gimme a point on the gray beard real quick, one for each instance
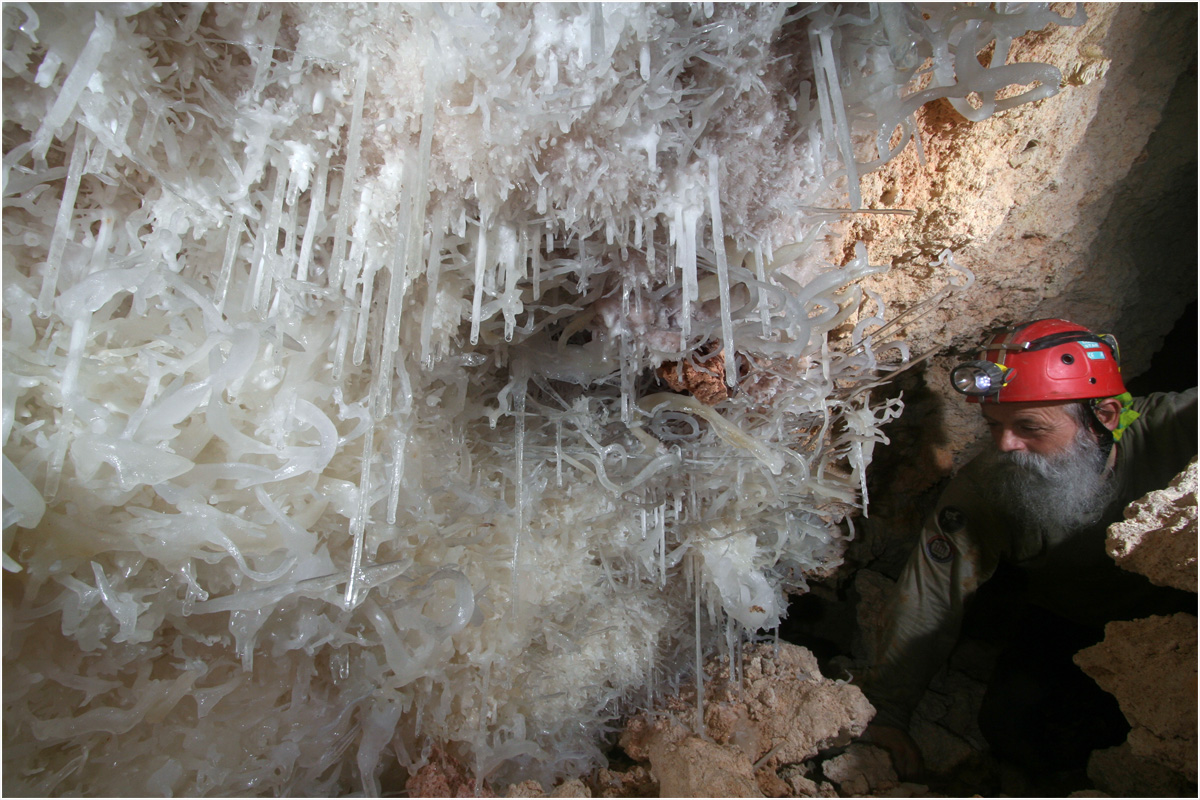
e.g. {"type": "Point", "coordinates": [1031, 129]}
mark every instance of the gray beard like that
{"type": "Point", "coordinates": [1059, 494]}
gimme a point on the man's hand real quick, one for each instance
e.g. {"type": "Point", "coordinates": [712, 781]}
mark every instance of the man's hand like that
{"type": "Point", "coordinates": [906, 756]}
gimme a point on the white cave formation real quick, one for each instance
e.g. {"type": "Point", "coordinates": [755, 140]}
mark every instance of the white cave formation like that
{"type": "Point", "coordinates": [332, 429]}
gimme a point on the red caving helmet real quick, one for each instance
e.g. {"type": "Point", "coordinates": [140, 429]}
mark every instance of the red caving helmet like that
{"type": "Point", "coordinates": [1040, 361]}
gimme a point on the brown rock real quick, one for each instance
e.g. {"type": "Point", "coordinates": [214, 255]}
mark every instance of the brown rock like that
{"type": "Point", "coordinates": [1158, 537]}
{"type": "Point", "coordinates": [694, 767]}
{"type": "Point", "coordinates": [861, 770]}
{"type": "Point", "coordinates": [801, 785]}
{"type": "Point", "coordinates": [643, 730]}
{"type": "Point", "coordinates": [572, 787]}
{"type": "Point", "coordinates": [1149, 665]}
{"type": "Point", "coordinates": [1119, 772]}
{"type": "Point", "coordinates": [528, 788]}
{"type": "Point", "coordinates": [636, 782]}
{"type": "Point", "coordinates": [783, 708]}
{"type": "Point", "coordinates": [730, 722]}
{"type": "Point", "coordinates": [771, 785]}
{"type": "Point", "coordinates": [444, 776]}
{"type": "Point", "coordinates": [798, 713]}
{"type": "Point", "coordinates": [706, 382]}
{"type": "Point", "coordinates": [782, 711]}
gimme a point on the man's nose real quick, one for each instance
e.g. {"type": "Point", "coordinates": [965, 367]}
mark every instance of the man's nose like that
{"type": "Point", "coordinates": [1008, 442]}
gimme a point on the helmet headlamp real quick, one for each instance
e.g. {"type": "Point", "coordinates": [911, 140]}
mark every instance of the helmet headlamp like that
{"type": "Point", "coordinates": [979, 378]}
{"type": "Point", "coordinates": [1056, 360]}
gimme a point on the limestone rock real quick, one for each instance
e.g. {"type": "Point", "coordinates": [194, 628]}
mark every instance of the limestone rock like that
{"type": "Point", "coordinates": [572, 787]}
{"type": "Point", "coordinates": [530, 788]}
{"type": "Point", "coordinates": [942, 749]}
{"type": "Point", "coordinates": [804, 713]}
{"type": "Point", "coordinates": [704, 380]}
{"type": "Point", "coordinates": [445, 776]}
{"type": "Point", "coordinates": [1122, 774]}
{"type": "Point", "coordinates": [797, 778]}
{"type": "Point", "coordinates": [635, 782]}
{"type": "Point", "coordinates": [1149, 665]}
{"type": "Point", "coordinates": [784, 708]}
{"type": "Point", "coordinates": [694, 767]}
{"type": "Point", "coordinates": [781, 712]}
{"type": "Point", "coordinates": [1158, 536]}
{"type": "Point", "coordinates": [861, 770]}
{"type": "Point", "coordinates": [771, 784]}
{"type": "Point", "coordinates": [797, 713]}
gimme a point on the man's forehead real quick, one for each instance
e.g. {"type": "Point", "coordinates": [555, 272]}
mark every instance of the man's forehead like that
{"type": "Point", "coordinates": [1015, 412]}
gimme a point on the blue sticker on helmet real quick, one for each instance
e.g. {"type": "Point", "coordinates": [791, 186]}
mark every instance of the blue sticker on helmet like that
{"type": "Point", "coordinates": [1090, 345]}
{"type": "Point", "coordinates": [1095, 355]}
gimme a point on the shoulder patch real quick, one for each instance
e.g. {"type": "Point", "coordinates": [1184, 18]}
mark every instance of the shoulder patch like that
{"type": "Point", "coordinates": [939, 549]}
{"type": "Point", "coordinates": [951, 520]}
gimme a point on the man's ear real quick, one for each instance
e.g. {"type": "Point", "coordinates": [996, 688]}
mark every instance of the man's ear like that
{"type": "Point", "coordinates": [1108, 411]}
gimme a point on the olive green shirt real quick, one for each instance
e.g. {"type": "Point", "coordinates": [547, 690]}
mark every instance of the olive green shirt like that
{"type": "Point", "coordinates": [970, 532]}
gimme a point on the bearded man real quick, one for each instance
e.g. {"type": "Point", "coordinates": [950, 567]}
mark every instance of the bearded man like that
{"type": "Point", "coordinates": [1029, 518]}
